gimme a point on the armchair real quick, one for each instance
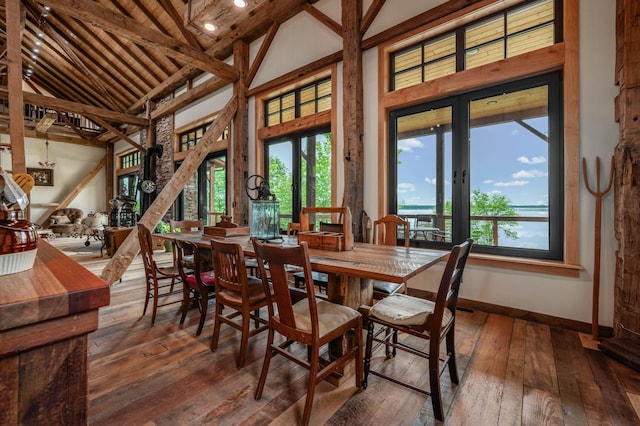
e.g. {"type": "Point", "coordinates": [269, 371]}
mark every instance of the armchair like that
{"type": "Point", "coordinates": [66, 221]}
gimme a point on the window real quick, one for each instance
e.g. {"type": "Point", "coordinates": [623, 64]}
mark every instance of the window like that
{"type": "Point", "coordinates": [486, 164]}
{"type": "Point", "coordinates": [131, 159]}
{"type": "Point", "coordinates": [299, 172]}
{"type": "Point", "coordinates": [204, 196]}
{"type": "Point", "coordinates": [128, 165]}
{"type": "Point", "coordinates": [190, 138]}
{"type": "Point", "coordinates": [302, 102]}
{"type": "Point", "coordinates": [514, 31]}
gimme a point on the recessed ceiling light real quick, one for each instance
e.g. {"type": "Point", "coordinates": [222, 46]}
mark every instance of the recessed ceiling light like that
{"type": "Point", "coordinates": [38, 42]}
{"type": "Point", "coordinates": [240, 3]}
{"type": "Point", "coordinates": [47, 8]}
{"type": "Point", "coordinates": [209, 26]}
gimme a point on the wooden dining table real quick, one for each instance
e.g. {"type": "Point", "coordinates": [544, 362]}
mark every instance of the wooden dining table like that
{"type": "Point", "coordinates": [350, 271]}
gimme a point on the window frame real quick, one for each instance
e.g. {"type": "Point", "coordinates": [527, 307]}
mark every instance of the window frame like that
{"type": "Point", "coordinates": [461, 190]}
{"type": "Point", "coordinates": [560, 56]}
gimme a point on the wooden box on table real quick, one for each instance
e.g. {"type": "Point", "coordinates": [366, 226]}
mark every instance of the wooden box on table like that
{"type": "Point", "coordinates": [323, 240]}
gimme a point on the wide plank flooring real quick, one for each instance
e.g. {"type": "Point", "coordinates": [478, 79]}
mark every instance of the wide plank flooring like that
{"type": "Point", "coordinates": [513, 372]}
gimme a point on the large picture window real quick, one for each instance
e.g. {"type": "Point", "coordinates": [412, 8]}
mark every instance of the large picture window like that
{"type": "Point", "coordinates": [485, 164]}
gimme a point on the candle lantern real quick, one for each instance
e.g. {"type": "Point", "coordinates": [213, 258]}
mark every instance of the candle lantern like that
{"type": "Point", "coordinates": [265, 210]}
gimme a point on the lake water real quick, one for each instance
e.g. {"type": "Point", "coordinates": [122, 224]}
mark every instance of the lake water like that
{"type": "Point", "coordinates": [531, 235]}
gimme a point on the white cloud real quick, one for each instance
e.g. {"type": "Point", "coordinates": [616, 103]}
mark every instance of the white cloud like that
{"type": "Point", "coordinates": [406, 187]}
{"type": "Point", "coordinates": [488, 181]}
{"type": "Point", "coordinates": [528, 174]}
{"type": "Point", "coordinates": [407, 145]}
{"type": "Point", "coordinates": [512, 183]}
{"type": "Point", "coordinates": [532, 160]}
{"type": "Point", "coordinates": [430, 181]}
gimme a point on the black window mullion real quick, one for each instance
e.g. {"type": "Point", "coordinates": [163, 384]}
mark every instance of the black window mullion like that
{"type": "Point", "coordinates": [460, 202]}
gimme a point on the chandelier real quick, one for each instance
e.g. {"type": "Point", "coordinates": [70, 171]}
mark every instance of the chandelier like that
{"type": "Point", "coordinates": [46, 164]}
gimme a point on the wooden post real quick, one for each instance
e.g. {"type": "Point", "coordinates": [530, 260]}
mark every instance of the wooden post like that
{"type": "Point", "coordinates": [15, 25]}
{"type": "Point", "coordinates": [627, 158]}
{"type": "Point", "coordinates": [353, 113]}
{"type": "Point", "coordinates": [240, 139]}
{"type": "Point", "coordinates": [130, 247]}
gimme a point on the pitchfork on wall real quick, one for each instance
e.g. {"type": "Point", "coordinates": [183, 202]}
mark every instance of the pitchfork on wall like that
{"type": "Point", "coordinates": [598, 194]}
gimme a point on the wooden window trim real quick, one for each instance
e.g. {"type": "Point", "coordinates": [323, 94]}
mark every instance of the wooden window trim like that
{"type": "Point", "coordinates": [564, 56]}
{"type": "Point", "coordinates": [215, 147]}
{"type": "Point", "coordinates": [323, 118]}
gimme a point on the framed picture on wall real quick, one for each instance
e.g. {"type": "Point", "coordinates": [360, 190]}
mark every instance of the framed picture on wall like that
{"type": "Point", "coordinates": [42, 177]}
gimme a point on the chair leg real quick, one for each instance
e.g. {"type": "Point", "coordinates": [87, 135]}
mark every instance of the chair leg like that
{"type": "Point", "coordinates": [311, 385]}
{"type": "Point", "coordinates": [367, 354]}
{"type": "Point", "coordinates": [244, 339]}
{"type": "Point", "coordinates": [451, 351]}
{"type": "Point", "coordinates": [265, 365]}
{"type": "Point", "coordinates": [358, 357]}
{"type": "Point", "coordinates": [216, 326]}
{"type": "Point", "coordinates": [204, 304]}
{"type": "Point", "coordinates": [155, 303]}
{"type": "Point", "coordinates": [434, 379]}
{"type": "Point", "coordinates": [186, 293]}
{"type": "Point", "coordinates": [257, 315]}
{"type": "Point", "coordinates": [146, 299]}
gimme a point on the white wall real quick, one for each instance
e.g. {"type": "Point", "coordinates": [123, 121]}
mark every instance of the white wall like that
{"type": "Point", "coordinates": [303, 39]}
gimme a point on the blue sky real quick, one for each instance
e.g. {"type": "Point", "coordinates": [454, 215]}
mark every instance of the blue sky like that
{"type": "Point", "coordinates": [505, 158]}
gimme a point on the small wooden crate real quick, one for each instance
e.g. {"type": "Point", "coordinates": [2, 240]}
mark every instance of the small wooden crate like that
{"type": "Point", "coordinates": [333, 241]}
{"type": "Point", "coordinates": [218, 231]}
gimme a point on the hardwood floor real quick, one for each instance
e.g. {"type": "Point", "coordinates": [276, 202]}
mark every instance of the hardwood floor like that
{"type": "Point", "coordinates": [512, 372]}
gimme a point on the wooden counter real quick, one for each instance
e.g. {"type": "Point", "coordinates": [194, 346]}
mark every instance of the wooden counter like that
{"type": "Point", "coordinates": [46, 314]}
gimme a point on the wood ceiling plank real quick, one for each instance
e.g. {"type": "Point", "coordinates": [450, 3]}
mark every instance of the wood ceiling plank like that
{"type": "Point", "coordinates": [111, 21]}
{"type": "Point", "coordinates": [165, 64]}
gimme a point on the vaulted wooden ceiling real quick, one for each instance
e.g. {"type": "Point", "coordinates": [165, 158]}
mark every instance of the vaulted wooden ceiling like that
{"type": "Point", "coordinates": [103, 56]}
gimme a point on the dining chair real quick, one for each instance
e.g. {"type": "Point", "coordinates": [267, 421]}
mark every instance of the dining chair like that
{"type": "Point", "coordinates": [310, 321]}
{"type": "Point", "coordinates": [320, 279]}
{"type": "Point", "coordinates": [422, 318]}
{"type": "Point", "coordinates": [385, 232]}
{"type": "Point", "coordinates": [159, 280]}
{"type": "Point", "coordinates": [183, 226]}
{"type": "Point", "coordinates": [236, 290]}
{"type": "Point", "coordinates": [198, 283]}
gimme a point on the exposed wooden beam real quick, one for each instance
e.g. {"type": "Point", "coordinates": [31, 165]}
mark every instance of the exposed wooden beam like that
{"type": "Point", "coordinates": [179, 23]}
{"type": "Point", "coordinates": [370, 15]}
{"type": "Point", "coordinates": [118, 133]}
{"type": "Point", "coordinates": [239, 148]}
{"type": "Point", "coordinates": [264, 48]}
{"type": "Point", "coordinates": [14, 26]}
{"type": "Point", "coordinates": [74, 192]}
{"type": "Point", "coordinates": [130, 247]}
{"type": "Point", "coordinates": [188, 97]}
{"type": "Point", "coordinates": [324, 19]}
{"type": "Point", "coordinates": [46, 121]}
{"type": "Point", "coordinates": [110, 21]}
{"type": "Point", "coordinates": [53, 103]}
{"type": "Point", "coordinates": [52, 137]}
{"type": "Point", "coordinates": [353, 112]}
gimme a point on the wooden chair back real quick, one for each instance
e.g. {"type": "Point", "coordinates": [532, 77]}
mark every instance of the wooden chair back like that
{"type": "Point", "coordinates": [293, 228]}
{"type": "Point", "coordinates": [447, 296]}
{"type": "Point", "coordinates": [185, 225]}
{"type": "Point", "coordinates": [343, 214]}
{"type": "Point", "coordinates": [229, 267]}
{"type": "Point", "coordinates": [146, 252]}
{"type": "Point", "coordinates": [385, 230]}
{"type": "Point", "coordinates": [278, 257]}
{"type": "Point", "coordinates": [186, 255]}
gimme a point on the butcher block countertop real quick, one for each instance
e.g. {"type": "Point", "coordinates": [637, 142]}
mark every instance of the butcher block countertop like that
{"type": "Point", "coordinates": [56, 288]}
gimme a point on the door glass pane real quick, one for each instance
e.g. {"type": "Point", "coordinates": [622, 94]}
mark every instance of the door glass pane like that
{"type": "Point", "coordinates": [509, 185]}
{"type": "Point", "coordinates": [280, 177]}
{"type": "Point", "coordinates": [216, 189]}
{"type": "Point", "coordinates": [316, 170]}
{"type": "Point", "coordinates": [424, 170]}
